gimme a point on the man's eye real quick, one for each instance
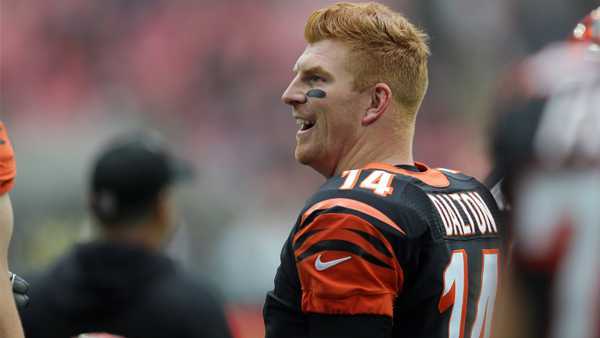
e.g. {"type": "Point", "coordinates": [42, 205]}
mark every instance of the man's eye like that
{"type": "Point", "coordinates": [314, 78]}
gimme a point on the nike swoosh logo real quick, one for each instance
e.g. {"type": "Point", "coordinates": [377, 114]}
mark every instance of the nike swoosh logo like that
{"type": "Point", "coordinates": [320, 265]}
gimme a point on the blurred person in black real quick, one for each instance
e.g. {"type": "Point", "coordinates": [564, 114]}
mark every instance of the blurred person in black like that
{"type": "Point", "coordinates": [122, 283]}
{"type": "Point", "coordinates": [547, 152]}
{"type": "Point", "coordinates": [10, 325]}
{"type": "Point", "coordinates": [387, 247]}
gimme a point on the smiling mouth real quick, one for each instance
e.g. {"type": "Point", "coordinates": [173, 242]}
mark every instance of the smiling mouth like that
{"type": "Point", "coordinates": [305, 125]}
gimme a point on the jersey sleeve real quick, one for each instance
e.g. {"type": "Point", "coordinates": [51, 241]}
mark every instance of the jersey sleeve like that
{"type": "Point", "coordinates": [345, 264]}
{"type": "Point", "coordinates": [8, 167]}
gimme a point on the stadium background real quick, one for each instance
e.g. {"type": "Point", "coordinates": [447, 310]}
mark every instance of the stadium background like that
{"type": "Point", "coordinates": [208, 75]}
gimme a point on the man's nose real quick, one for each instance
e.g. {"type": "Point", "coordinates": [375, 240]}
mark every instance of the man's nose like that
{"type": "Point", "coordinates": [293, 95]}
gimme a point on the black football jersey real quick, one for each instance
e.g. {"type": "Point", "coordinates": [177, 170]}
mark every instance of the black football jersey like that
{"type": "Point", "coordinates": [419, 246]}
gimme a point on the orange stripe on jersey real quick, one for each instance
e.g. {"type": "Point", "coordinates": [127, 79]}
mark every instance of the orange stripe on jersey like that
{"type": "Point", "coordinates": [336, 280]}
{"type": "Point", "coordinates": [357, 304]}
{"type": "Point", "coordinates": [427, 175]}
{"type": "Point", "coordinates": [8, 168]}
{"type": "Point", "coordinates": [354, 205]}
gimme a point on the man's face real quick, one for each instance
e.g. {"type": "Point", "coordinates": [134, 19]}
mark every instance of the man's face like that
{"type": "Point", "coordinates": [327, 127]}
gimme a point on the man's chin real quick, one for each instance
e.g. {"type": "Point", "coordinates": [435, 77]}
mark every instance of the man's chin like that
{"type": "Point", "coordinates": [302, 157]}
{"type": "Point", "coordinates": [314, 161]}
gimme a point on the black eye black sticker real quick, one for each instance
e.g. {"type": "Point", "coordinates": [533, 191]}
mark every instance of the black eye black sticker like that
{"type": "Point", "coordinates": [316, 93]}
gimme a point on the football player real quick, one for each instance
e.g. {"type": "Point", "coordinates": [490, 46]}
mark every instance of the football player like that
{"type": "Point", "coordinates": [387, 247]}
{"type": "Point", "coordinates": [547, 146]}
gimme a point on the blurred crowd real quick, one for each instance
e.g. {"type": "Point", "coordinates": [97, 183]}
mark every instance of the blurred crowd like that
{"type": "Point", "coordinates": [209, 75]}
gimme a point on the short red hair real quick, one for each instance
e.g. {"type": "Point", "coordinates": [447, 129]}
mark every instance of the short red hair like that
{"type": "Point", "coordinates": [385, 47]}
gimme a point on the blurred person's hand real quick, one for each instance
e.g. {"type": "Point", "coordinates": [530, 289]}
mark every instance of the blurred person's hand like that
{"type": "Point", "coordinates": [97, 335]}
{"type": "Point", "coordinates": [20, 288]}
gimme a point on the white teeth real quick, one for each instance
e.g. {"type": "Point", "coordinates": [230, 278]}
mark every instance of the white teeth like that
{"type": "Point", "coordinates": [304, 124]}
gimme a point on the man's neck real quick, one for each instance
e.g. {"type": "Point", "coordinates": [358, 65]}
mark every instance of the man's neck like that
{"type": "Point", "coordinates": [391, 151]}
{"type": "Point", "coordinates": [139, 237]}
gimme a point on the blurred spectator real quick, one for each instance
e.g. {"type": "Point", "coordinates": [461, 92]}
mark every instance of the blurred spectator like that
{"type": "Point", "coordinates": [122, 283]}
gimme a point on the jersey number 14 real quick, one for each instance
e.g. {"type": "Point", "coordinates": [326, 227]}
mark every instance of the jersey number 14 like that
{"type": "Point", "coordinates": [456, 291]}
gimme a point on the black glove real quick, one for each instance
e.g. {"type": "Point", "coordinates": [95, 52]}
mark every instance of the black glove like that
{"type": "Point", "coordinates": [20, 288]}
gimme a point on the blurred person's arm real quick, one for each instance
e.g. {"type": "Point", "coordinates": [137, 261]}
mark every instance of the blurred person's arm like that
{"type": "Point", "coordinates": [10, 324]}
{"type": "Point", "coordinates": [512, 313]}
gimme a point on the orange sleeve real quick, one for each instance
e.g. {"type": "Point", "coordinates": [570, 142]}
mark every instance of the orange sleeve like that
{"type": "Point", "coordinates": [346, 266]}
{"type": "Point", "coordinates": [8, 168]}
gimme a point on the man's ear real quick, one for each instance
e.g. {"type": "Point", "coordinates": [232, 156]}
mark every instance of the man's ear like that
{"type": "Point", "coordinates": [165, 207]}
{"type": "Point", "coordinates": [381, 97]}
{"type": "Point", "coordinates": [161, 206]}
